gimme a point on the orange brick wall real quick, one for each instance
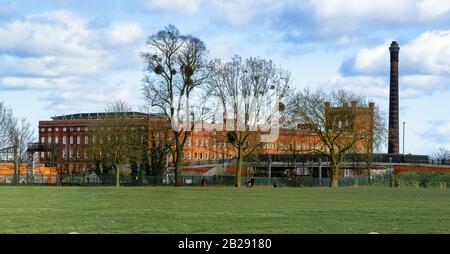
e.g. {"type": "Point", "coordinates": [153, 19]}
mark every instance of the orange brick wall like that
{"type": "Point", "coordinates": [8, 169]}
{"type": "Point", "coordinates": [405, 168]}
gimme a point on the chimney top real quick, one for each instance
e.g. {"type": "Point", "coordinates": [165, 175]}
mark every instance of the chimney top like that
{"type": "Point", "coordinates": [394, 44]}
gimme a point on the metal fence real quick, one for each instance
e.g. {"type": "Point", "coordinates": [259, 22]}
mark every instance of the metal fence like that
{"type": "Point", "coordinates": [188, 180]}
{"type": "Point", "coordinates": [196, 180]}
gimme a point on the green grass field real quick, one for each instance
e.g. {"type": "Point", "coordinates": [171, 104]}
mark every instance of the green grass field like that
{"type": "Point", "coordinates": [223, 210]}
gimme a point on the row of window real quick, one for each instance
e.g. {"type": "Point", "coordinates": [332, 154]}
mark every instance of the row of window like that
{"type": "Point", "coordinates": [66, 154]}
{"type": "Point", "coordinates": [64, 140]}
{"type": "Point", "coordinates": [84, 128]}
{"type": "Point", "coordinates": [205, 156]}
{"type": "Point", "coordinates": [64, 129]}
{"type": "Point", "coordinates": [205, 142]}
{"type": "Point", "coordinates": [78, 140]}
{"type": "Point", "coordinates": [197, 156]}
{"type": "Point", "coordinates": [291, 146]}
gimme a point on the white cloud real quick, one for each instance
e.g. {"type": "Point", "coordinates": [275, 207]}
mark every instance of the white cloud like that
{"type": "Point", "coordinates": [33, 83]}
{"type": "Point", "coordinates": [122, 33]}
{"type": "Point", "coordinates": [186, 6]}
{"type": "Point", "coordinates": [66, 60]}
{"type": "Point", "coordinates": [429, 10]}
{"type": "Point", "coordinates": [424, 67]}
{"type": "Point", "coordinates": [370, 86]}
{"type": "Point", "coordinates": [429, 52]}
{"type": "Point", "coordinates": [241, 12]}
{"type": "Point", "coordinates": [438, 131]}
{"type": "Point", "coordinates": [372, 60]}
{"type": "Point", "coordinates": [363, 9]}
{"type": "Point", "coordinates": [49, 33]}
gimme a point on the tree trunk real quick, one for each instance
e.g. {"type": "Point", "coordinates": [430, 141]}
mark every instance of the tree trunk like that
{"type": "Point", "coordinates": [178, 165]}
{"type": "Point", "coordinates": [368, 166]}
{"type": "Point", "coordinates": [335, 170]}
{"type": "Point", "coordinates": [117, 168]}
{"type": "Point", "coordinates": [16, 165]}
{"type": "Point", "coordinates": [238, 169]}
{"type": "Point", "coordinates": [140, 174]}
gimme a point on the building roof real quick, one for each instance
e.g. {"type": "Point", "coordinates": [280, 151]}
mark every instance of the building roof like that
{"type": "Point", "coordinates": [102, 115]}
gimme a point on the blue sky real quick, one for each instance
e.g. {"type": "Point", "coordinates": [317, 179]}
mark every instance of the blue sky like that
{"type": "Point", "coordinates": [69, 56]}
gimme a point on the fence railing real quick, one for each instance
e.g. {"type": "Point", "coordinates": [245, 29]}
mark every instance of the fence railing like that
{"type": "Point", "coordinates": [189, 180]}
{"type": "Point", "coordinates": [196, 180]}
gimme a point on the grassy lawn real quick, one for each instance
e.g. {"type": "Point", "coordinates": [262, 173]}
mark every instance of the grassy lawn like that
{"type": "Point", "coordinates": [223, 210]}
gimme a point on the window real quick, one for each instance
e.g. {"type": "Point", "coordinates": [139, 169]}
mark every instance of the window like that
{"type": "Point", "coordinates": [201, 142]}
{"type": "Point", "coordinates": [78, 154]}
{"type": "Point", "coordinates": [78, 140]}
{"type": "Point", "coordinates": [189, 141]}
{"type": "Point", "coordinates": [195, 155]}
{"type": "Point", "coordinates": [64, 154]}
{"type": "Point", "coordinates": [64, 129]}
{"type": "Point", "coordinates": [42, 129]}
{"type": "Point", "coordinates": [207, 143]}
{"type": "Point", "coordinates": [93, 139]}
{"type": "Point", "coordinates": [56, 129]}
{"type": "Point", "coordinates": [86, 140]}
{"type": "Point", "coordinates": [71, 140]}
{"type": "Point", "coordinates": [85, 154]}
{"type": "Point", "coordinates": [42, 155]}
{"type": "Point", "coordinates": [213, 156]}
{"type": "Point", "coordinates": [78, 129]}
{"type": "Point", "coordinates": [201, 156]}
{"type": "Point", "coordinates": [49, 129]}
{"type": "Point", "coordinates": [56, 140]}
{"type": "Point", "coordinates": [189, 156]}
{"type": "Point", "coordinates": [42, 139]}
{"type": "Point", "coordinates": [49, 140]}
{"type": "Point", "coordinates": [86, 129]}
{"type": "Point", "coordinates": [64, 140]}
{"type": "Point", "coordinates": [206, 156]}
{"type": "Point", "coordinates": [70, 154]}
{"type": "Point", "coordinates": [71, 129]}
{"type": "Point", "coordinates": [196, 142]}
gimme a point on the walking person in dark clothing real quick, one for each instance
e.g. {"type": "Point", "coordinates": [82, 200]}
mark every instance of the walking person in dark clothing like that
{"type": "Point", "coordinates": [203, 182]}
{"type": "Point", "coordinates": [252, 182]}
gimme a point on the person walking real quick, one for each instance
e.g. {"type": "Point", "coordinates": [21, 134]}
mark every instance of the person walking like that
{"type": "Point", "coordinates": [252, 182]}
{"type": "Point", "coordinates": [203, 182]}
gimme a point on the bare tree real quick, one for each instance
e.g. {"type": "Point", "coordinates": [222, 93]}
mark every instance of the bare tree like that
{"type": "Point", "coordinates": [176, 67]}
{"type": "Point", "coordinates": [118, 139]}
{"type": "Point", "coordinates": [4, 118]}
{"type": "Point", "coordinates": [441, 155]}
{"type": "Point", "coordinates": [247, 88]}
{"type": "Point", "coordinates": [341, 129]}
{"type": "Point", "coordinates": [377, 141]}
{"type": "Point", "coordinates": [15, 133]}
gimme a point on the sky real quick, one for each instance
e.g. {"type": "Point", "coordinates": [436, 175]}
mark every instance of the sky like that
{"type": "Point", "coordinates": [70, 56]}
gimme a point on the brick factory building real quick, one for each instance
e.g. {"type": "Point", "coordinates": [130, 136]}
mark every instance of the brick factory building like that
{"type": "Point", "coordinates": [70, 137]}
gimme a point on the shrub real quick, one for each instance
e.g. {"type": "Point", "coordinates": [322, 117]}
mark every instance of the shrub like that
{"type": "Point", "coordinates": [424, 178]}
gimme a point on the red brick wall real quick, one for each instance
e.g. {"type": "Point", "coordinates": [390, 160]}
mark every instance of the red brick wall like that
{"type": "Point", "coordinates": [404, 168]}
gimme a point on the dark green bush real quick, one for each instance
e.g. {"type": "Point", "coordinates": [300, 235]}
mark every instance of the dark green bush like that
{"type": "Point", "coordinates": [424, 178]}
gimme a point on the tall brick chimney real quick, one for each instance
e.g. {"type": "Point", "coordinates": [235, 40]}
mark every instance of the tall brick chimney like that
{"type": "Point", "coordinates": [393, 145]}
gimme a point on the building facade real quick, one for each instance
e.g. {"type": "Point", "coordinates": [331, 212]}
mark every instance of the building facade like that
{"type": "Point", "coordinates": [73, 136]}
